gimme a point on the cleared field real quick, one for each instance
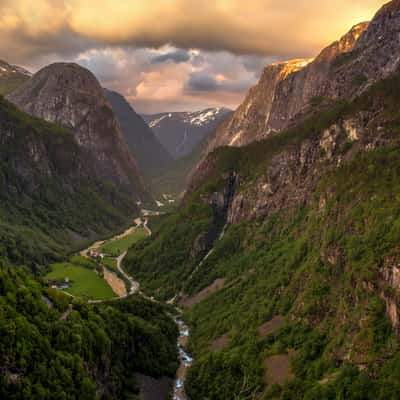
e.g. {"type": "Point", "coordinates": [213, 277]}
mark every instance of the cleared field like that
{"type": "Point", "coordinates": [84, 281]}
{"type": "Point", "coordinates": [118, 246]}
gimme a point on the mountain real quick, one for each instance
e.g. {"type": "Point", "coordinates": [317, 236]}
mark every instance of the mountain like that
{"type": "Point", "coordinates": [11, 77]}
{"type": "Point", "coordinates": [285, 251]}
{"type": "Point", "coordinates": [71, 96]}
{"type": "Point", "coordinates": [288, 91]}
{"type": "Point", "coordinates": [151, 156]}
{"type": "Point", "coordinates": [174, 180]}
{"type": "Point", "coordinates": [180, 132]}
{"type": "Point", "coordinates": [52, 199]}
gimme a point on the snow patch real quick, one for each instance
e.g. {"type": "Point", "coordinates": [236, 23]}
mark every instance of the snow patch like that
{"type": "Point", "coordinates": [157, 121]}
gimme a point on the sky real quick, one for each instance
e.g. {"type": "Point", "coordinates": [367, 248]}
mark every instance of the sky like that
{"type": "Point", "coordinates": [174, 55]}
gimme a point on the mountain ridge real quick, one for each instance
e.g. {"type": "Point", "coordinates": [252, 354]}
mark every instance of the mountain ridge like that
{"type": "Point", "coordinates": [11, 77]}
{"type": "Point", "coordinates": [180, 132]}
{"type": "Point", "coordinates": [141, 140]}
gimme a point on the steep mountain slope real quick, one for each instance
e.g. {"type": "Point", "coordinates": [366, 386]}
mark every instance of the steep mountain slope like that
{"type": "Point", "coordinates": [180, 132]}
{"type": "Point", "coordinates": [71, 96]}
{"type": "Point", "coordinates": [367, 53]}
{"type": "Point", "coordinates": [300, 228]}
{"type": "Point", "coordinates": [51, 198]}
{"type": "Point", "coordinates": [11, 77]}
{"type": "Point", "coordinates": [143, 144]}
{"type": "Point", "coordinates": [249, 121]}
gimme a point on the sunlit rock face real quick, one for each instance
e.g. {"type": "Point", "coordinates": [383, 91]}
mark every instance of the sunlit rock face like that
{"type": "Point", "coordinates": [71, 96]}
{"type": "Point", "coordinates": [287, 91]}
{"type": "Point", "coordinates": [250, 121]}
{"type": "Point", "coordinates": [283, 91]}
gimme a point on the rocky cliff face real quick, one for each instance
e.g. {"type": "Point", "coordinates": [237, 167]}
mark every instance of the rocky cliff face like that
{"type": "Point", "coordinates": [71, 96]}
{"type": "Point", "coordinates": [251, 119]}
{"type": "Point", "coordinates": [366, 54]}
{"type": "Point", "coordinates": [282, 171]}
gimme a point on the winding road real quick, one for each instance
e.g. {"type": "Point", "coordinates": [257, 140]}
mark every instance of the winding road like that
{"type": "Point", "coordinates": [184, 358]}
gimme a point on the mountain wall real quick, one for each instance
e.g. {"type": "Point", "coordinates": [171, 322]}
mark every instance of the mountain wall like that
{"type": "Point", "coordinates": [71, 96]}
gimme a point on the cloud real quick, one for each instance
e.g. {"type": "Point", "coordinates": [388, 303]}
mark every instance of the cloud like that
{"type": "Point", "coordinates": [269, 27]}
{"type": "Point", "coordinates": [177, 56]}
{"type": "Point", "coordinates": [200, 81]}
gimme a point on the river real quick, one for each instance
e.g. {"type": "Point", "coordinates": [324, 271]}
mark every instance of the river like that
{"type": "Point", "coordinates": [185, 359]}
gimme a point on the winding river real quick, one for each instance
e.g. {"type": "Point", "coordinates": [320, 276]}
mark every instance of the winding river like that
{"type": "Point", "coordinates": [185, 359]}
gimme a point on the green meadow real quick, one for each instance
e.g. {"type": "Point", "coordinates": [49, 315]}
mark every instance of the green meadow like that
{"type": "Point", "coordinates": [118, 246]}
{"type": "Point", "coordinates": [85, 282]}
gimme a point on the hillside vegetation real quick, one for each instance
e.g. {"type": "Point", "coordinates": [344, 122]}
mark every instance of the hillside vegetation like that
{"type": "Point", "coordinates": [91, 354]}
{"type": "Point", "coordinates": [321, 265]}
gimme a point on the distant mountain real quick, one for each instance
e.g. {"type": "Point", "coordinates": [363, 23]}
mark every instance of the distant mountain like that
{"type": "Point", "coordinates": [11, 77]}
{"type": "Point", "coordinates": [180, 132]}
{"type": "Point", "coordinates": [141, 140]}
{"type": "Point", "coordinates": [71, 96]}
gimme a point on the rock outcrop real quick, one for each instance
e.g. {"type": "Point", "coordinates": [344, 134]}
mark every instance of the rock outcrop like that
{"type": "Point", "coordinates": [251, 119]}
{"type": "Point", "coordinates": [71, 96]}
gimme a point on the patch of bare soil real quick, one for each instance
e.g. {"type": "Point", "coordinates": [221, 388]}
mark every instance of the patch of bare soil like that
{"type": "Point", "coordinates": [94, 246]}
{"type": "Point", "coordinates": [278, 369]}
{"type": "Point", "coordinates": [271, 326]}
{"type": "Point", "coordinates": [220, 343]}
{"type": "Point", "coordinates": [214, 287]}
{"type": "Point", "coordinates": [153, 389]}
{"type": "Point", "coordinates": [116, 284]}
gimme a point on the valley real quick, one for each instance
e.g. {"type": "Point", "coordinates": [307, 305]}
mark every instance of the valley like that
{"type": "Point", "coordinates": [200, 214]}
{"type": "Point", "coordinates": [87, 284]}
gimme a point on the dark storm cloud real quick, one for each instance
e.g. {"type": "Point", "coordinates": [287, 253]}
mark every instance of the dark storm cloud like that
{"type": "Point", "coordinates": [201, 82]}
{"type": "Point", "coordinates": [177, 57]}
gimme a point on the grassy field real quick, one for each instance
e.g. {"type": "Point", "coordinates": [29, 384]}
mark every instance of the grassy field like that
{"type": "Point", "coordinates": [117, 247]}
{"type": "Point", "coordinates": [84, 281]}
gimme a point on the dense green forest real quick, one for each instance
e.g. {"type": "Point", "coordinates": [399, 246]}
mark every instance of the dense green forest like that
{"type": "Point", "coordinates": [318, 267]}
{"type": "Point", "coordinates": [92, 354]}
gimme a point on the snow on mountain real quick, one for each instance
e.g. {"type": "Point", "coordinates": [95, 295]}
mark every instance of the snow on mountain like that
{"type": "Point", "coordinates": [180, 132]}
{"type": "Point", "coordinates": [6, 68]}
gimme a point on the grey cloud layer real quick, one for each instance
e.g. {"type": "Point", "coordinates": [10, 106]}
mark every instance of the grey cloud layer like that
{"type": "Point", "coordinates": [270, 27]}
